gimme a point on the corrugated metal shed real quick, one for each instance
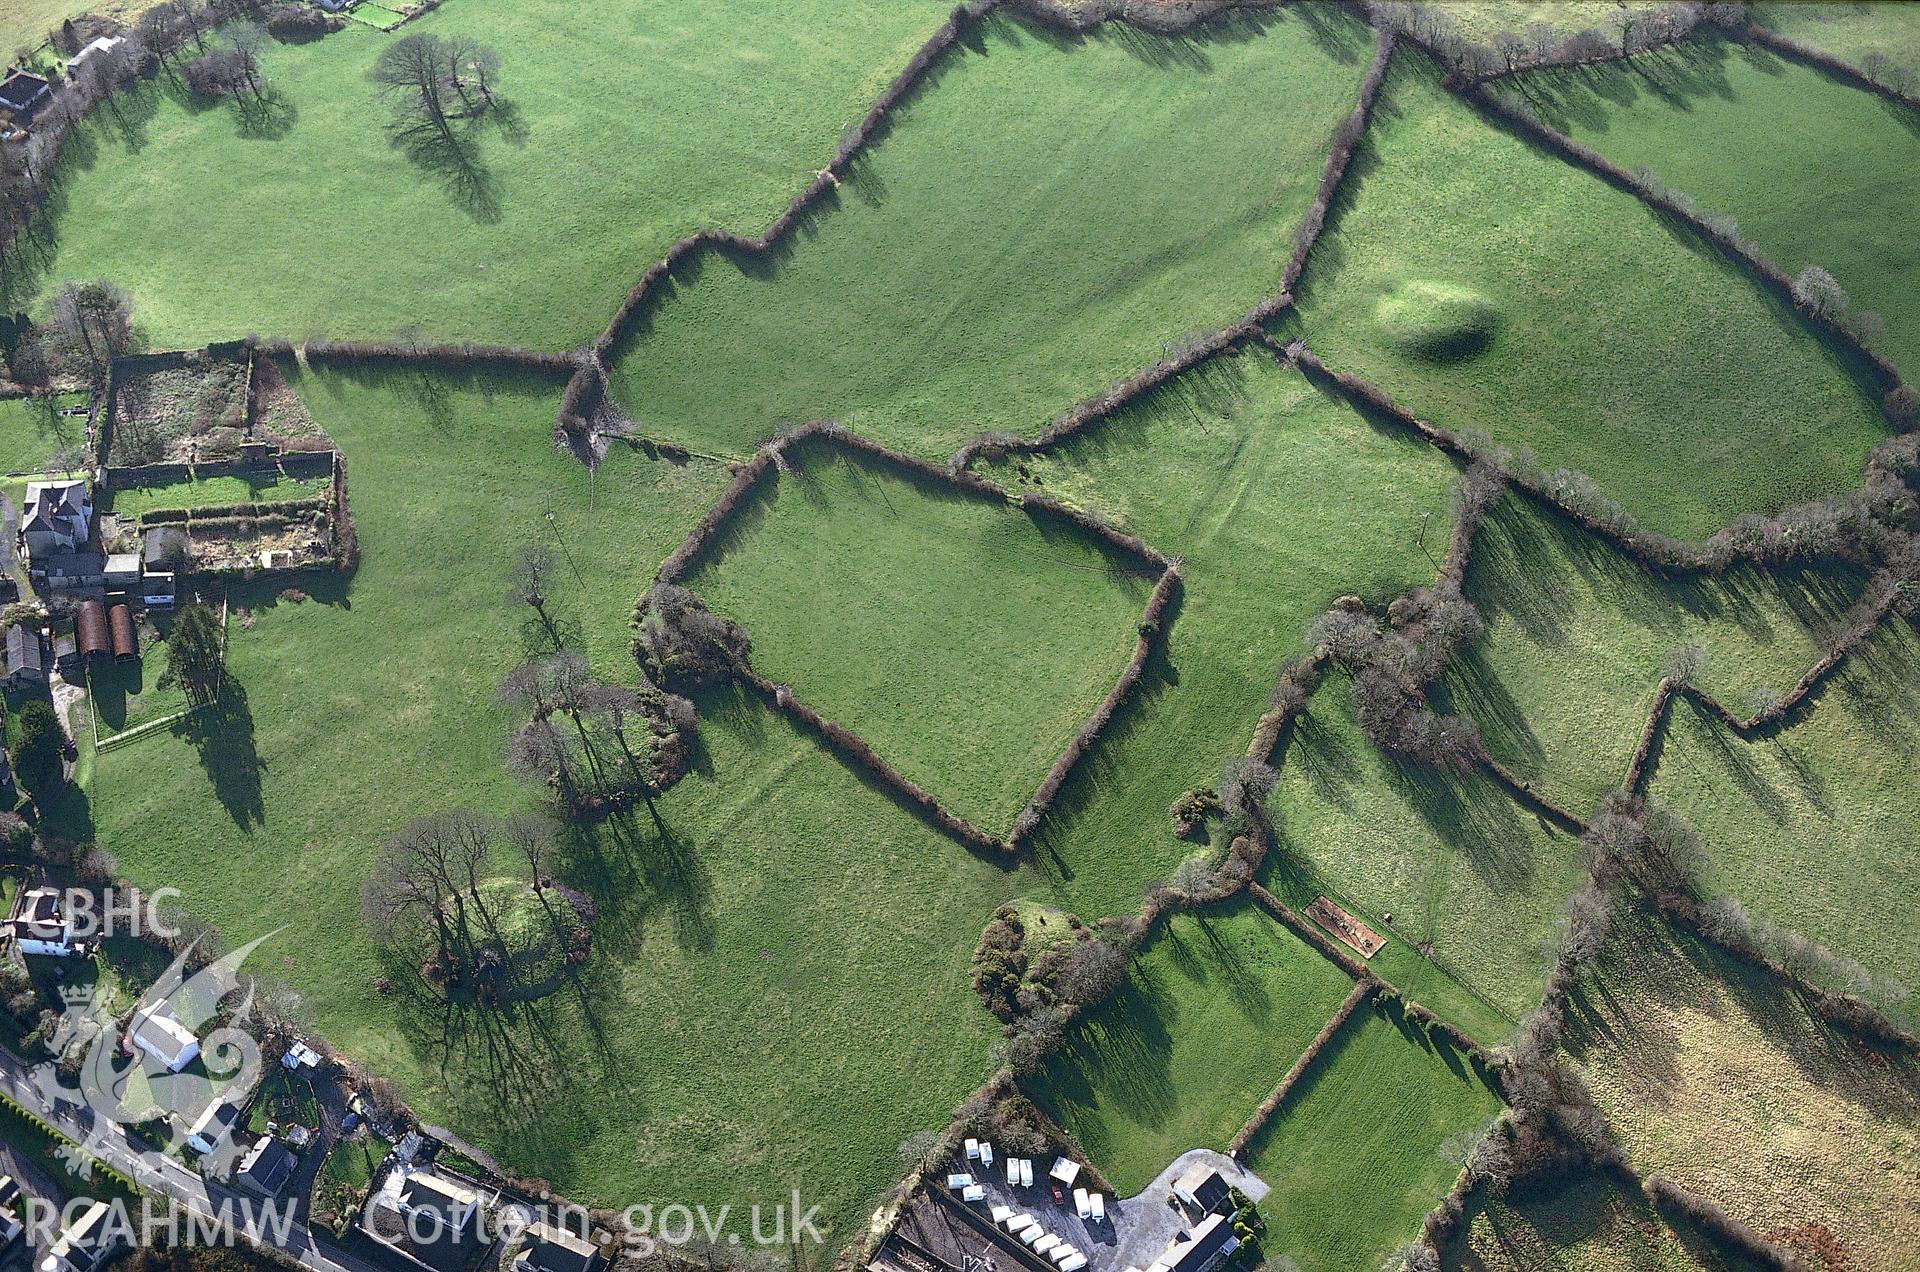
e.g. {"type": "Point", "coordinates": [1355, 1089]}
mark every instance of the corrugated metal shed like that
{"type": "Point", "coordinates": [90, 625]}
{"type": "Point", "coordinates": [126, 643]}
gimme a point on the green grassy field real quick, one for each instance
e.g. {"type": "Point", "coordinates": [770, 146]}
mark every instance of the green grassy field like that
{"type": "Point", "coordinates": [1807, 163]}
{"type": "Point", "coordinates": [207, 492]}
{"type": "Point", "coordinates": [1813, 827]}
{"type": "Point", "coordinates": [1584, 1223]}
{"type": "Point", "coordinates": [1463, 869]}
{"type": "Point", "coordinates": [779, 990]}
{"type": "Point", "coordinates": [1578, 636]}
{"type": "Point", "coordinates": [1280, 499]}
{"type": "Point", "coordinates": [1367, 1141]}
{"type": "Point", "coordinates": [1489, 285]}
{"type": "Point", "coordinates": [1722, 1079]}
{"type": "Point", "coordinates": [1220, 1005]}
{"type": "Point", "coordinates": [1851, 29]}
{"type": "Point", "coordinates": [966, 641]}
{"type": "Point", "coordinates": [653, 122]}
{"type": "Point", "coordinates": [1043, 222]}
{"type": "Point", "coordinates": [32, 431]}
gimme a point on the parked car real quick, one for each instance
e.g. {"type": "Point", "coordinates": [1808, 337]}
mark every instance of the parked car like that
{"type": "Point", "coordinates": [1059, 1194]}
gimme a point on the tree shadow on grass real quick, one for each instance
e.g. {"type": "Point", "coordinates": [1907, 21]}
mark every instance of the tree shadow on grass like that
{"type": "Point", "coordinates": [268, 117]}
{"type": "Point", "coordinates": [223, 734]}
{"type": "Point", "coordinates": [452, 156]}
{"type": "Point", "coordinates": [1325, 755]}
{"type": "Point", "coordinates": [1473, 819]}
{"type": "Point", "coordinates": [1227, 967]}
{"type": "Point", "coordinates": [1585, 98]}
{"type": "Point", "coordinates": [507, 1062]}
{"type": "Point", "coordinates": [1118, 1056]}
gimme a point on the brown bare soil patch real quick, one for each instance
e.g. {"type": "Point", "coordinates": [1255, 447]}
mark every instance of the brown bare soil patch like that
{"type": "Point", "coordinates": [1349, 930]}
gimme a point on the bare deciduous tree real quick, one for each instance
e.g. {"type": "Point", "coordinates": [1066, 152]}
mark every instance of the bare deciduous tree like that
{"type": "Point", "coordinates": [92, 325]}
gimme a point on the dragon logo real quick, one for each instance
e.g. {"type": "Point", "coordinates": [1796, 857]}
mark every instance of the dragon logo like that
{"type": "Point", "coordinates": [166, 1096]}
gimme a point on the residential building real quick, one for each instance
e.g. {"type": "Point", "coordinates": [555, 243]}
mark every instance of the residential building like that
{"type": "Point", "coordinates": [94, 1237]}
{"type": "Point", "coordinates": [60, 569]}
{"type": "Point", "coordinates": [211, 1128]}
{"type": "Point", "coordinates": [10, 1226]}
{"type": "Point", "coordinates": [266, 1168]}
{"type": "Point", "coordinates": [436, 1219]}
{"type": "Point", "coordinates": [158, 1032]}
{"type": "Point", "coordinates": [58, 517]}
{"type": "Point", "coordinates": [38, 927]}
{"type": "Point", "coordinates": [549, 1247]}
{"type": "Point", "coordinates": [122, 569]}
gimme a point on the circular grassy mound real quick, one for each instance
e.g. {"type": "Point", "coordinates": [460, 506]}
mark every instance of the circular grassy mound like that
{"type": "Point", "coordinates": [531, 932]}
{"type": "Point", "coordinates": [1437, 321]}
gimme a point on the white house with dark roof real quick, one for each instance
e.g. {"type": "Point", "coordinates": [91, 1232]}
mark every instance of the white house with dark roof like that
{"type": "Point", "coordinates": [1210, 1243]}
{"type": "Point", "coordinates": [438, 1220]}
{"type": "Point", "coordinates": [58, 517]}
{"type": "Point", "coordinates": [38, 927]}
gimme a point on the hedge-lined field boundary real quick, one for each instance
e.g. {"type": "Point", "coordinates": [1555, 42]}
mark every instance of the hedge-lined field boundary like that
{"type": "Point", "coordinates": [852, 143]}
{"type": "Point", "coordinates": [1211, 344]}
{"type": "Point", "coordinates": [1362, 991]}
{"type": "Point", "coordinates": [1705, 1213]}
{"type": "Point", "coordinates": [1152, 631]}
{"type": "Point", "coordinates": [1767, 38]}
{"type": "Point", "coordinates": [781, 454]}
{"type": "Point", "coordinates": [851, 747]}
{"type": "Point", "coordinates": [1745, 542]}
{"type": "Point", "coordinates": [1730, 245]}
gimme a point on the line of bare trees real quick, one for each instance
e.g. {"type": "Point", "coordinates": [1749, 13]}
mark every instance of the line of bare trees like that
{"type": "Point", "coordinates": [1542, 43]}
{"type": "Point", "coordinates": [595, 745]}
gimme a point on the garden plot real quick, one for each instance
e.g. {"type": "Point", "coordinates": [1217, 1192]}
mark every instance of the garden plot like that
{"type": "Point", "coordinates": [1467, 874]}
{"type": "Point", "coordinates": [1046, 216]}
{"type": "Point", "coordinates": [1814, 826]}
{"type": "Point", "coordinates": [1721, 1079]}
{"type": "Point", "coordinates": [1488, 285]}
{"type": "Point", "coordinates": [1579, 634]}
{"type": "Point", "coordinates": [1218, 1007]}
{"type": "Point", "coordinates": [265, 486]}
{"type": "Point", "coordinates": [1366, 1142]}
{"type": "Point", "coordinates": [174, 410]}
{"type": "Point", "coordinates": [1807, 163]}
{"type": "Point", "coordinates": [1280, 499]}
{"type": "Point", "coordinates": [966, 641]}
